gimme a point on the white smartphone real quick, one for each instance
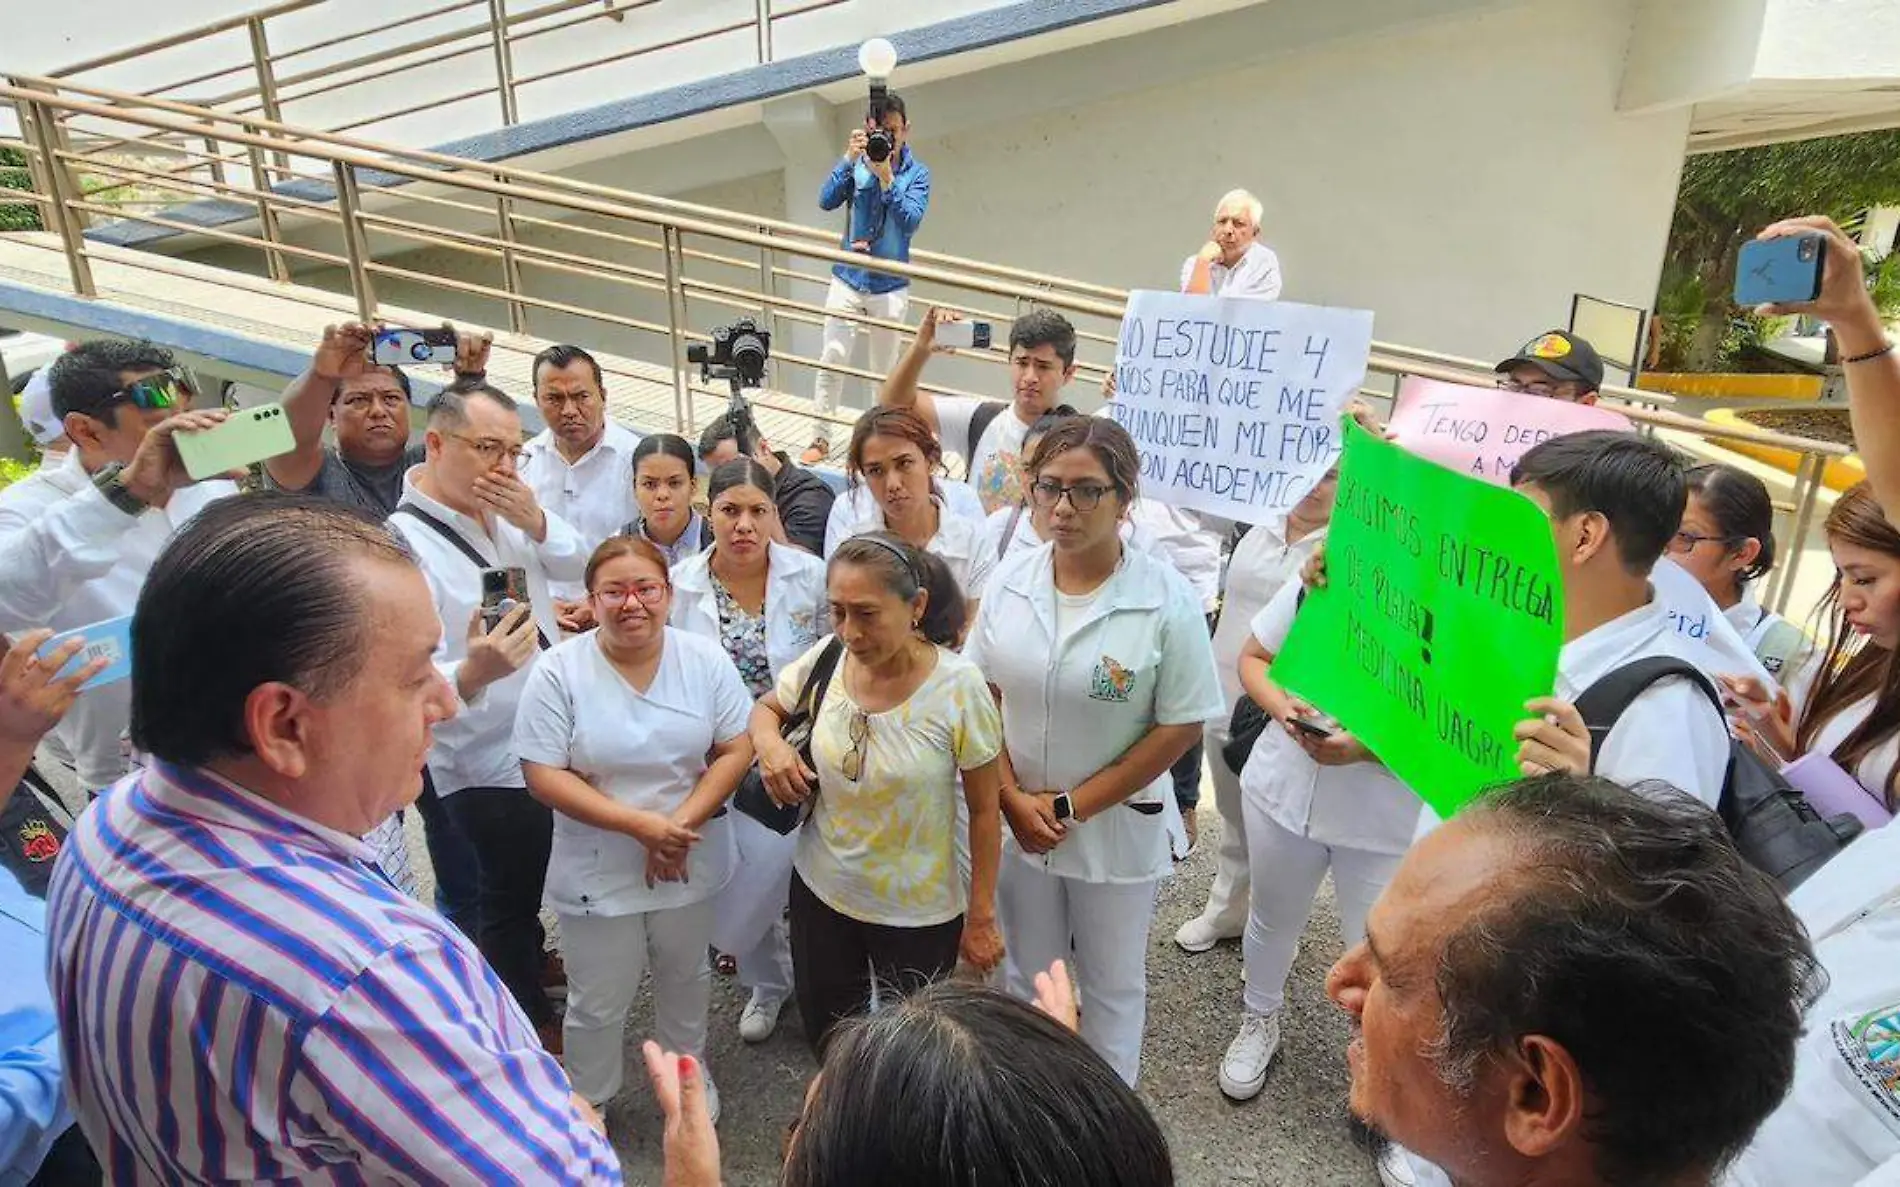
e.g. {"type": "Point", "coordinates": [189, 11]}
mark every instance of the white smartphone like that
{"type": "Point", "coordinates": [396, 348]}
{"type": "Point", "coordinates": [247, 435]}
{"type": "Point", "coordinates": [971, 335]}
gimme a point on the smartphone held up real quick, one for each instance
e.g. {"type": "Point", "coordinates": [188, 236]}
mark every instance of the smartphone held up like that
{"type": "Point", "coordinates": [247, 436]}
{"type": "Point", "coordinates": [1785, 271]}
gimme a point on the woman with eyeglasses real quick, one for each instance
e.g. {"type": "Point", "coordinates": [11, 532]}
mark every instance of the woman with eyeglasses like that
{"type": "Point", "coordinates": [1727, 542]}
{"type": "Point", "coordinates": [1024, 525]}
{"type": "Point", "coordinates": [635, 735]}
{"type": "Point", "coordinates": [1100, 658]}
{"type": "Point", "coordinates": [764, 602]}
{"type": "Point", "coordinates": [663, 468]}
{"type": "Point", "coordinates": [904, 727]}
{"type": "Point", "coordinates": [895, 454]}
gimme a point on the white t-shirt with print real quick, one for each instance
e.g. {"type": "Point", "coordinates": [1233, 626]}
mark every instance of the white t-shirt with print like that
{"type": "Point", "coordinates": [994, 470]}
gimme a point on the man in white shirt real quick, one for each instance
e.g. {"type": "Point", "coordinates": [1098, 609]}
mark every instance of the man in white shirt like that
{"type": "Point", "coordinates": [989, 433]}
{"type": "Point", "coordinates": [464, 511]}
{"type": "Point", "coordinates": [1615, 500]}
{"type": "Point", "coordinates": [581, 466]}
{"type": "Point", "coordinates": [1573, 984]}
{"type": "Point", "coordinates": [86, 533]}
{"type": "Point", "coordinates": [1234, 263]}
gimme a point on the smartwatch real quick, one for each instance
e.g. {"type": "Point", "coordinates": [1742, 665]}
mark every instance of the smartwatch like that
{"type": "Point", "coordinates": [110, 482]}
{"type": "Point", "coordinates": [1065, 808]}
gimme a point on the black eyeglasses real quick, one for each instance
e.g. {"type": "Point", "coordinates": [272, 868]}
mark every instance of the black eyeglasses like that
{"type": "Point", "coordinates": [1686, 542]}
{"type": "Point", "coordinates": [1083, 496]}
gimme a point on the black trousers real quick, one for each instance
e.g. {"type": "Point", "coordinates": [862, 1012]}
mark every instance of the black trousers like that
{"type": "Point", "coordinates": [834, 958]}
{"type": "Point", "coordinates": [511, 833]}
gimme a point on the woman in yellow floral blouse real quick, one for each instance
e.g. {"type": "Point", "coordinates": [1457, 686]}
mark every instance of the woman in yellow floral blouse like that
{"type": "Point", "coordinates": [876, 891]}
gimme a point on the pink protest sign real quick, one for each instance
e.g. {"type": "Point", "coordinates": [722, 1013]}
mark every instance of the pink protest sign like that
{"type": "Point", "coordinates": [1482, 431]}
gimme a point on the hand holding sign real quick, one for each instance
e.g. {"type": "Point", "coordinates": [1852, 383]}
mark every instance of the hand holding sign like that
{"type": "Point", "coordinates": [1234, 403]}
{"type": "Point", "coordinates": [1442, 617]}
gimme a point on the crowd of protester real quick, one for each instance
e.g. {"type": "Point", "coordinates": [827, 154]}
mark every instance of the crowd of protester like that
{"type": "Point", "coordinates": [872, 751]}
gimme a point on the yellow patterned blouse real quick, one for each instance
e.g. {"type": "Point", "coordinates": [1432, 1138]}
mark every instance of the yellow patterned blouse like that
{"type": "Point", "coordinates": [881, 848]}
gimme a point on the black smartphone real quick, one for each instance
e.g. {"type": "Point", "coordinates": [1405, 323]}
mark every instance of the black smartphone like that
{"type": "Point", "coordinates": [502, 591]}
{"type": "Point", "coordinates": [1315, 727]}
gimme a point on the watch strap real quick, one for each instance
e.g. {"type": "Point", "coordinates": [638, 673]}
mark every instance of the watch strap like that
{"type": "Point", "coordinates": [110, 482]}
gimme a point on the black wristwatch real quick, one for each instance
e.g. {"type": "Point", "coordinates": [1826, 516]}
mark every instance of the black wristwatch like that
{"type": "Point", "coordinates": [1065, 808]}
{"type": "Point", "coordinates": [110, 482]}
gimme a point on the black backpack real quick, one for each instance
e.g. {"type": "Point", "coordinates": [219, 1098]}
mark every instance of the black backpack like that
{"type": "Point", "coordinates": [980, 420]}
{"type": "Point", "coordinates": [1773, 825]}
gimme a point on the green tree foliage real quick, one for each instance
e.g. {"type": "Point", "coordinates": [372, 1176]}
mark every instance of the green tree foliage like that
{"type": "Point", "coordinates": [16, 216]}
{"type": "Point", "coordinates": [1725, 198]}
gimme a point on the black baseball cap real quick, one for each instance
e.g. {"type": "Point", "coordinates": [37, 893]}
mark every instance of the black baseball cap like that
{"type": "Point", "coordinates": [1561, 355]}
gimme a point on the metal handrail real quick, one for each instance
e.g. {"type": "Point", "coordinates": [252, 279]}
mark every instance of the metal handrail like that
{"type": "Point", "coordinates": [361, 171]}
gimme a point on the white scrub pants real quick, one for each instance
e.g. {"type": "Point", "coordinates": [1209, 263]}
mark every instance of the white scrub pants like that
{"type": "Point", "coordinates": [606, 955]}
{"type": "Point", "coordinates": [1227, 905]}
{"type": "Point", "coordinates": [841, 335]}
{"type": "Point", "coordinates": [1108, 922]}
{"type": "Point", "coordinates": [749, 913]}
{"type": "Point", "coordinates": [1286, 872]}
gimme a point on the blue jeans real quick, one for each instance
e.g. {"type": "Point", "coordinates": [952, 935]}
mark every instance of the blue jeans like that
{"type": "Point", "coordinates": [457, 889]}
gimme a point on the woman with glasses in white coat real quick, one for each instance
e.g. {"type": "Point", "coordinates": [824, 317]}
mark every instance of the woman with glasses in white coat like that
{"type": "Point", "coordinates": [1100, 659]}
{"type": "Point", "coordinates": [764, 602]}
{"type": "Point", "coordinates": [635, 735]}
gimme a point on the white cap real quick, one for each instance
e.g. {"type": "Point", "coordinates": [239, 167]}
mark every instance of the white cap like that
{"type": "Point", "coordinates": [36, 409]}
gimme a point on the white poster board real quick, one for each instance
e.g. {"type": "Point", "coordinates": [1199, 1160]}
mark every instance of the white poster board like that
{"type": "Point", "coordinates": [1235, 403]}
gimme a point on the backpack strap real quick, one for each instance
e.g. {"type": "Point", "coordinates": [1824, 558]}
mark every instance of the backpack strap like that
{"type": "Point", "coordinates": [462, 546]}
{"type": "Point", "coordinates": [1604, 702]}
{"type": "Point", "coordinates": [1009, 532]}
{"type": "Point", "coordinates": [980, 421]}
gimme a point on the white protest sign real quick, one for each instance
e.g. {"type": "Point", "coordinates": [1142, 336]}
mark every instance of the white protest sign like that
{"type": "Point", "coordinates": [1234, 403]}
{"type": "Point", "coordinates": [1699, 621]}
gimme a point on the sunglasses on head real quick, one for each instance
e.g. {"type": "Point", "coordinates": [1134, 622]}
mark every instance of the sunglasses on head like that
{"type": "Point", "coordinates": [165, 390]}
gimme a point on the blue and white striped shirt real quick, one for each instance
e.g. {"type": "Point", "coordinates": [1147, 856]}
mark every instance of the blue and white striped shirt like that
{"type": "Point", "coordinates": [241, 997]}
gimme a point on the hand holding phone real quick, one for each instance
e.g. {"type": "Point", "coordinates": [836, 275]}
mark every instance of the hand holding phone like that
{"type": "Point", "coordinates": [247, 435]}
{"type": "Point", "coordinates": [1314, 727]}
{"type": "Point", "coordinates": [1783, 271]}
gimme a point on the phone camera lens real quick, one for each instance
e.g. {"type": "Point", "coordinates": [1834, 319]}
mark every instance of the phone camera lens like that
{"type": "Point", "coordinates": [1806, 250]}
{"type": "Point", "coordinates": [419, 352]}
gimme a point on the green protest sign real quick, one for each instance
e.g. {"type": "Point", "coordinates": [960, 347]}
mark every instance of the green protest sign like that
{"type": "Point", "coordinates": [1442, 614]}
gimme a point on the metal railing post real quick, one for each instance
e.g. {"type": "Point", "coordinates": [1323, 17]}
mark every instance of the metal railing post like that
{"type": "Point", "coordinates": [217, 160]}
{"type": "Point", "coordinates": [504, 61]}
{"type": "Point", "coordinates": [764, 22]}
{"type": "Point", "coordinates": [355, 242]}
{"type": "Point", "coordinates": [676, 328]}
{"type": "Point", "coordinates": [266, 84]}
{"type": "Point", "coordinates": [1807, 494]}
{"type": "Point", "coordinates": [35, 168]}
{"type": "Point", "coordinates": [62, 188]}
{"type": "Point", "coordinates": [510, 262]}
{"type": "Point", "coordinates": [274, 261]}
{"type": "Point", "coordinates": [768, 286]}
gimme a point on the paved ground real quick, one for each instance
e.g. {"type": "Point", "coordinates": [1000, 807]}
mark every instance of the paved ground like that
{"type": "Point", "coordinates": [1294, 1133]}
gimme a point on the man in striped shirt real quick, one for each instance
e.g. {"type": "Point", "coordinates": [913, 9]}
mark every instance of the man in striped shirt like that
{"type": "Point", "coordinates": [241, 994]}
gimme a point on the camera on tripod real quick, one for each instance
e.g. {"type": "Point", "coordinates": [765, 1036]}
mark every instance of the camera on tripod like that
{"type": "Point", "coordinates": [736, 354]}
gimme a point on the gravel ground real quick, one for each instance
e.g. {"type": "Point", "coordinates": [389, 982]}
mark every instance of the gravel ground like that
{"type": "Point", "coordinates": [1293, 1133]}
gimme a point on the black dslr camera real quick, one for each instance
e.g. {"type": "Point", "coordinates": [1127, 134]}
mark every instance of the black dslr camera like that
{"type": "Point", "coordinates": [878, 144]}
{"type": "Point", "coordinates": [736, 354]}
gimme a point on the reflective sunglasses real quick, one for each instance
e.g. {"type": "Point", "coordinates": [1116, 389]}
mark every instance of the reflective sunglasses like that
{"type": "Point", "coordinates": [154, 393]}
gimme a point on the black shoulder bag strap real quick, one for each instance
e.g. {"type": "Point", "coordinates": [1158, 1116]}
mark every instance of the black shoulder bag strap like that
{"type": "Point", "coordinates": [818, 680]}
{"type": "Point", "coordinates": [1603, 703]}
{"type": "Point", "coordinates": [1009, 532]}
{"type": "Point", "coordinates": [980, 421]}
{"type": "Point", "coordinates": [462, 546]}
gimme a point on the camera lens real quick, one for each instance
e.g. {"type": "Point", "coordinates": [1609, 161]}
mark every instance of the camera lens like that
{"type": "Point", "coordinates": [1806, 251]}
{"type": "Point", "coordinates": [420, 352]}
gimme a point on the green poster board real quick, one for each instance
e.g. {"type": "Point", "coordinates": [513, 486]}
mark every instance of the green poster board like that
{"type": "Point", "coordinates": [1442, 614]}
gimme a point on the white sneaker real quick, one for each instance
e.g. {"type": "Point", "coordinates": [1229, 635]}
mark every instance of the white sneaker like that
{"type": "Point", "coordinates": [760, 1018]}
{"type": "Point", "coordinates": [1395, 1167]}
{"type": "Point", "coordinates": [1243, 1070]}
{"type": "Point", "coordinates": [1198, 935]}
